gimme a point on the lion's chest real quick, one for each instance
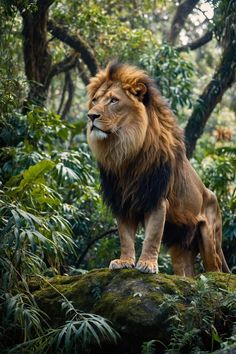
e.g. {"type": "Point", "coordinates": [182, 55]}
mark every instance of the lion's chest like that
{"type": "Point", "coordinates": [132, 194]}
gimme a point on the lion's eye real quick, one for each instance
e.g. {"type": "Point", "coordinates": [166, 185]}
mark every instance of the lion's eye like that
{"type": "Point", "coordinates": [113, 100]}
{"type": "Point", "coordinates": [94, 101]}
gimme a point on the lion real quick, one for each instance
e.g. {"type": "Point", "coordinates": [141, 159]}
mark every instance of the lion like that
{"type": "Point", "coordinates": [146, 177]}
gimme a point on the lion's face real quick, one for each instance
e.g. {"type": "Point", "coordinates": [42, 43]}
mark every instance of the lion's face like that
{"type": "Point", "coordinates": [121, 117]}
{"type": "Point", "coordinates": [114, 112]}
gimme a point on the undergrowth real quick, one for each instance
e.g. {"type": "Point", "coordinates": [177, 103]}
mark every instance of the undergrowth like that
{"type": "Point", "coordinates": [199, 323]}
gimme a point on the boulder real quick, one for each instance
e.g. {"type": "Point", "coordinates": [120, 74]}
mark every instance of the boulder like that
{"type": "Point", "coordinates": [175, 313]}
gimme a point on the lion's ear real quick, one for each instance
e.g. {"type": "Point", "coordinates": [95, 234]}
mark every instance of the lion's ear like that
{"type": "Point", "coordinates": [140, 91]}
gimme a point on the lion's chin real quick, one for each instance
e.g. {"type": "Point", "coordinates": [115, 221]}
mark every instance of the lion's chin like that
{"type": "Point", "coordinates": [98, 134]}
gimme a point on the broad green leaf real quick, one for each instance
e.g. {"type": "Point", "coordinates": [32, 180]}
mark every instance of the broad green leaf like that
{"type": "Point", "coordinates": [37, 170]}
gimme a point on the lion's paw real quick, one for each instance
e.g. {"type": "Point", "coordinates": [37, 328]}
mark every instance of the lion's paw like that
{"type": "Point", "coordinates": [121, 263]}
{"type": "Point", "coordinates": [147, 266]}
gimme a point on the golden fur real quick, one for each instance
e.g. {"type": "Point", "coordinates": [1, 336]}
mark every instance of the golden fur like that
{"type": "Point", "coordinates": [134, 136]}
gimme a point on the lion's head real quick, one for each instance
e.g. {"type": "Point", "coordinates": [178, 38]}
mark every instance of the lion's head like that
{"type": "Point", "coordinates": [127, 115]}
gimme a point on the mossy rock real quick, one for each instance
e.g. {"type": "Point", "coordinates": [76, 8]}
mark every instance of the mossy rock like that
{"type": "Point", "coordinates": [143, 307]}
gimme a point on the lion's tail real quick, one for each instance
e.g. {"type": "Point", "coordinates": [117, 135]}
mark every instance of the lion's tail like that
{"type": "Point", "coordinates": [225, 267]}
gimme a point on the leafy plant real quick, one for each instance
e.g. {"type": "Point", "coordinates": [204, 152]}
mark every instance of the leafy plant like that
{"type": "Point", "coordinates": [194, 329]}
{"type": "Point", "coordinates": [30, 219]}
{"type": "Point", "coordinates": [44, 191]}
{"type": "Point", "coordinates": [80, 331]}
{"type": "Point", "coordinates": [150, 346]}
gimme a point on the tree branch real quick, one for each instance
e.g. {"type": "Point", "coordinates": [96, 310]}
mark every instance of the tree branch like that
{"type": "Point", "coordinates": [212, 94]}
{"type": "Point", "coordinates": [76, 42]}
{"type": "Point", "coordinates": [182, 12]}
{"type": "Point", "coordinates": [91, 243]}
{"type": "Point", "coordinates": [65, 65]}
{"type": "Point", "coordinates": [207, 37]}
{"type": "Point", "coordinates": [62, 96]}
{"type": "Point", "coordinates": [82, 73]}
{"type": "Point", "coordinates": [70, 90]}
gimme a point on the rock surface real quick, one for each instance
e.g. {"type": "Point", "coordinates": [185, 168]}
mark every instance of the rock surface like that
{"type": "Point", "coordinates": [142, 307]}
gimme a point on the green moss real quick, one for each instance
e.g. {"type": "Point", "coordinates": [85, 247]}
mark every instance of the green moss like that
{"type": "Point", "coordinates": [137, 304]}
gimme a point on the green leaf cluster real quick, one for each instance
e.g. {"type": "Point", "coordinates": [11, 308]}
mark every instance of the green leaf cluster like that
{"type": "Point", "coordinates": [172, 74]}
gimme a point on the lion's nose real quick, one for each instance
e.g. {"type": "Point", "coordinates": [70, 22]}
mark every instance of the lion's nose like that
{"type": "Point", "coordinates": [93, 116]}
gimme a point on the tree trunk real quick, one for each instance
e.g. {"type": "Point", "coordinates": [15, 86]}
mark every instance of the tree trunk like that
{"type": "Point", "coordinates": [182, 12]}
{"type": "Point", "coordinates": [36, 56]}
{"type": "Point", "coordinates": [213, 93]}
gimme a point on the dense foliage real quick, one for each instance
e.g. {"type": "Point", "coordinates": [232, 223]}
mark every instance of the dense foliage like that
{"type": "Point", "coordinates": [194, 329]}
{"type": "Point", "coordinates": [52, 219]}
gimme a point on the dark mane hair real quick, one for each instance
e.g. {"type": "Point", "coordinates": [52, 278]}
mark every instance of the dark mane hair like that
{"type": "Point", "coordinates": [144, 195]}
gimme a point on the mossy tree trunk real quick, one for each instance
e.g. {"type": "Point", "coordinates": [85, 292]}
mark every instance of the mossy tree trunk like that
{"type": "Point", "coordinates": [37, 58]}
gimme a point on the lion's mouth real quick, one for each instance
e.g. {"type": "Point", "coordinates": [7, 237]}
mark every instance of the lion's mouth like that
{"type": "Point", "coordinates": [94, 127]}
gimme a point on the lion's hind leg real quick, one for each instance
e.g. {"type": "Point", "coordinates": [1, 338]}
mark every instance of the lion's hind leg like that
{"type": "Point", "coordinates": [211, 235]}
{"type": "Point", "coordinates": [183, 260]}
{"type": "Point", "coordinates": [207, 245]}
{"type": "Point", "coordinates": [180, 240]}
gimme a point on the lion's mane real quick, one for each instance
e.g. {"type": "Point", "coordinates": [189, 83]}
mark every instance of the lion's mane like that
{"type": "Point", "coordinates": [134, 184]}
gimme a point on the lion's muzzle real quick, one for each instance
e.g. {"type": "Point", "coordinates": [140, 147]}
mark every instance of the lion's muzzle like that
{"type": "Point", "coordinates": [93, 116]}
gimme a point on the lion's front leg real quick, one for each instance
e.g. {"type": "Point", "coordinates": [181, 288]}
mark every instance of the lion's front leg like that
{"type": "Point", "coordinates": [127, 230]}
{"type": "Point", "coordinates": [154, 226]}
